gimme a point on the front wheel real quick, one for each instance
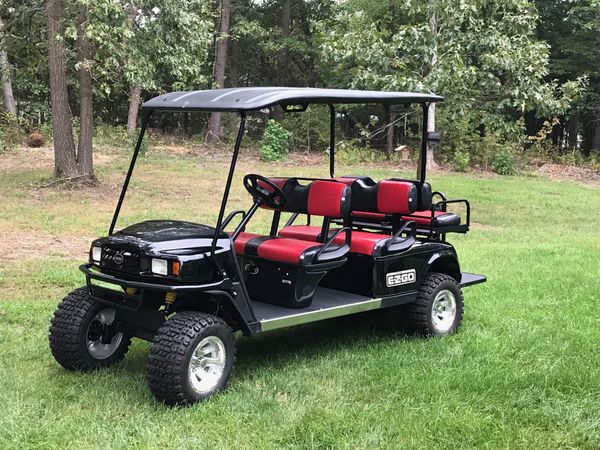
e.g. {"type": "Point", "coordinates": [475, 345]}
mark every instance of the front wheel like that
{"type": "Point", "coordinates": [438, 310]}
{"type": "Point", "coordinates": [83, 335]}
{"type": "Point", "coordinates": [191, 358]}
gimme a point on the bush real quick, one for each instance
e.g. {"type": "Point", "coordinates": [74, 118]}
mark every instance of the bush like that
{"type": "Point", "coordinates": [111, 135]}
{"type": "Point", "coordinates": [12, 131]}
{"type": "Point", "coordinates": [310, 129]}
{"type": "Point", "coordinates": [460, 161]}
{"type": "Point", "coordinates": [276, 142]}
{"type": "Point", "coordinates": [503, 162]}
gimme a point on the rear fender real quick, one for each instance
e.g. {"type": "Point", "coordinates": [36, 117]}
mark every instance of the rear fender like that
{"type": "Point", "coordinates": [444, 261]}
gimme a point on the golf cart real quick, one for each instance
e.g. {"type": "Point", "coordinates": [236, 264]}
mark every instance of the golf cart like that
{"type": "Point", "coordinates": [187, 287]}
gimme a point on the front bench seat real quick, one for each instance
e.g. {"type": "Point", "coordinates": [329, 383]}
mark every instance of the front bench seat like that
{"type": "Point", "coordinates": [286, 271]}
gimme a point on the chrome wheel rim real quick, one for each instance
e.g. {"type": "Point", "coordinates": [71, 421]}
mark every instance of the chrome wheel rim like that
{"type": "Point", "coordinates": [207, 364]}
{"type": "Point", "coordinates": [94, 336]}
{"type": "Point", "coordinates": [443, 310]}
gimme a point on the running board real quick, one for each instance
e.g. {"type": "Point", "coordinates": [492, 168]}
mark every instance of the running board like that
{"type": "Point", "coordinates": [327, 304]}
{"type": "Point", "coordinates": [469, 279]}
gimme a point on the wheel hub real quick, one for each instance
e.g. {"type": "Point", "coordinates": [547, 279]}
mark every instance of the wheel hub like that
{"type": "Point", "coordinates": [207, 364]}
{"type": "Point", "coordinates": [443, 310]}
{"type": "Point", "coordinates": [102, 340]}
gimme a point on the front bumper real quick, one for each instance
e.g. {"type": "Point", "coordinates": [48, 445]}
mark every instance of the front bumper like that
{"type": "Point", "coordinates": [112, 290]}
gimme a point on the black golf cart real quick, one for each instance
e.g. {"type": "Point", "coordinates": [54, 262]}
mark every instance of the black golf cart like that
{"type": "Point", "coordinates": [187, 287]}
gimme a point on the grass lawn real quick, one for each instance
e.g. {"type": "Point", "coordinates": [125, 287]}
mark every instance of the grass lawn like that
{"type": "Point", "coordinates": [523, 372]}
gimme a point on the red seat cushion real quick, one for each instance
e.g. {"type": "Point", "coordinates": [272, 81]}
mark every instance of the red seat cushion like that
{"type": "Point", "coordinates": [285, 250]}
{"type": "Point", "coordinates": [395, 197]}
{"type": "Point", "coordinates": [362, 242]}
{"type": "Point", "coordinates": [241, 241]}
{"type": "Point", "coordinates": [304, 232]}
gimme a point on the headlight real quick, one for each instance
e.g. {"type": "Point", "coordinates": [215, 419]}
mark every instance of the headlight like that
{"type": "Point", "coordinates": [96, 254]}
{"type": "Point", "coordinates": [160, 266]}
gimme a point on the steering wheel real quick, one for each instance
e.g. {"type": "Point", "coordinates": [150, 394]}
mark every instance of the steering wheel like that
{"type": "Point", "coordinates": [264, 191]}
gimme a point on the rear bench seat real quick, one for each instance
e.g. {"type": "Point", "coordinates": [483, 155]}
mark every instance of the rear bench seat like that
{"type": "Point", "coordinates": [388, 197]}
{"type": "Point", "coordinates": [422, 215]}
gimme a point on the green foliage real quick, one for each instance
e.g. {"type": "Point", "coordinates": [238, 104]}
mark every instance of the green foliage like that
{"type": "Point", "coordinates": [276, 142]}
{"type": "Point", "coordinates": [461, 160]}
{"type": "Point", "coordinates": [310, 128]}
{"type": "Point", "coordinates": [107, 135]}
{"type": "Point", "coordinates": [503, 162]}
{"type": "Point", "coordinates": [485, 60]}
{"type": "Point", "coordinates": [12, 131]}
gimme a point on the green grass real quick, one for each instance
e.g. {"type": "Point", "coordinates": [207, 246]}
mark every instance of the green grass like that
{"type": "Point", "coordinates": [523, 372]}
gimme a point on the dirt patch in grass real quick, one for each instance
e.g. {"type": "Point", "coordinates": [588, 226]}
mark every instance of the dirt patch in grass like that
{"type": "Point", "coordinates": [21, 245]}
{"type": "Point", "coordinates": [571, 173]}
{"type": "Point", "coordinates": [24, 158]}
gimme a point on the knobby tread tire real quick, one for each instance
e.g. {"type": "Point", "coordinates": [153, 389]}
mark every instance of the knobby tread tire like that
{"type": "Point", "coordinates": [67, 335]}
{"type": "Point", "coordinates": [167, 369]}
{"type": "Point", "coordinates": [417, 315]}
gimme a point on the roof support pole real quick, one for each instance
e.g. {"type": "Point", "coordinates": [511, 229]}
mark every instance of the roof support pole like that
{"type": "Point", "coordinates": [422, 169]}
{"type": "Point", "coordinates": [331, 141]}
{"type": "Point", "coordinates": [145, 119]}
{"type": "Point", "coordinates": [236, 150]}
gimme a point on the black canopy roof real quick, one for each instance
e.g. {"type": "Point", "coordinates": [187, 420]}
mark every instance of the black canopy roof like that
{"type": "Point", "coordinates": [255, 98]}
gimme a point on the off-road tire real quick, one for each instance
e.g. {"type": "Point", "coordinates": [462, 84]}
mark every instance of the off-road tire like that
{"type": "Point", "coordinates": [68, 333]}
{"type": "Point", "coordinates": [171, 352]}
{"type": "Point", "coordinates": [417, 316]}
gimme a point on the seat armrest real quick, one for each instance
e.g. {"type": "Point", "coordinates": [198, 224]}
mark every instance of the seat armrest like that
{"type": "Point", "coordinates": [330, 250]}
{"type": "Point", "coordinates": [399, 243]}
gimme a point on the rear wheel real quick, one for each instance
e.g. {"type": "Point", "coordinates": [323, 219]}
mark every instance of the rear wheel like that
{"type": "Point", "coordinates": [438, 310]}
{"type": "Point", "coordinates": [191, 359]}
{"type": "Point", "coordinates": [83, 335]}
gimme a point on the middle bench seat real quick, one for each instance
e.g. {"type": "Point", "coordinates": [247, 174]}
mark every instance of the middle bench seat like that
{"type": "Point", "coordinates": [388, 197]}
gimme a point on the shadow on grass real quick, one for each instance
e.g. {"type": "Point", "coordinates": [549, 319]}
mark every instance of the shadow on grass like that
{"type": "Point", "coordinates": [278, 348]}
{"type": "Point", "coordinates": [274, 350]}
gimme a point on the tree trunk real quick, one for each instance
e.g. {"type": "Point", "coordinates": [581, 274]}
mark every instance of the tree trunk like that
{"type": "Point", "coordinates": [65, 161]}
{"type": "Point", "coordinates": [134, 105]}
{"type": "Point", "coordinates": [7, 92]}
{"type": "Point", "coordinates": [135, 90]}
{"type": "Point", "coordinates": [86, 90]}
{"type": "Point", "coordinates": [391, 135]}
{"type": "Point", "coordinates": [596, 139]}
{"type": "Point", "coordinates": [587, 133]}
{"type": "Point", "coordinates": [573, 129]}
{"type": "Point", "coordinates": [430, 162]}
{"type": "Point", "coordinates": [214, 124]}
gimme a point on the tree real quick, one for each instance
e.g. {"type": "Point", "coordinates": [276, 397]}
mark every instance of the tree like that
{"type": "Point", "coordinates": [65, 158]}
{"type": "Point", "coordinates": [214, 124]}
{"type": "Point", "coordinates": [484, 58]}
{"type": "Point", "coordinates": [135, 90]}
{"type": "Point", "coordinates": [86, 93]}
{"type": "Point", "coordinates": [7, 90]}
{"type": "Point", "coordinates": [572, 30]}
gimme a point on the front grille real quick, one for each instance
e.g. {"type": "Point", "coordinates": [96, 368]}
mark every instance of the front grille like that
{"type": "Point", "coordinates": [122, 260]}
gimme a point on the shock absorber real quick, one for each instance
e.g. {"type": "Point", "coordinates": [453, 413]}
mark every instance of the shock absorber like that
{"type": "Point", "coordinates": [169, 300]}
